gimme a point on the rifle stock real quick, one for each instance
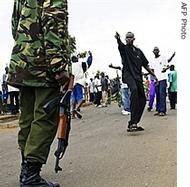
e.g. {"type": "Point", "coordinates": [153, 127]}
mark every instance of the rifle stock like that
{"type": "Point", "coordinates": [63, 125]}
{"type": "Point", "coordinates": [63, 101]}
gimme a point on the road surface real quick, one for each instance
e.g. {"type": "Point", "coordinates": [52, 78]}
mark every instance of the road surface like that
{"type": "Point", "coordinates": [102, 154]}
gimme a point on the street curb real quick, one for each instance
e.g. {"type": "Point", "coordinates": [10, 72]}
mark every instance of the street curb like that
{"type": "Point", "coordinates": [10, 124]}
{"type": "Point", "coordinates": [8, 121]}
{"type": "Point", "coordinates": [11, 121]}
{"type": "Point", "coordinates": [8, 116]}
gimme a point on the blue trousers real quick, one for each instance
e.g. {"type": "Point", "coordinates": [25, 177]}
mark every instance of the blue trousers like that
{"type": "Point", "coordinates": [161, 96]}
{"type": "Point", "coordinates": [125, 99]}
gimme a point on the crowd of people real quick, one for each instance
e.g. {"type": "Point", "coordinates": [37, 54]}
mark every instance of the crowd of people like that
{"type": "Point", "coordinates": [9, 96]}
{"type": "Point", "coordinates": [100, 90]}
{"type": "Point", "coordinates": [134, 87]}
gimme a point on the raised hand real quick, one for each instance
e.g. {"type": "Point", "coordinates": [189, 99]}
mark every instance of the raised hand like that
{"type": "Point", "coordinates": [171, 57]}
{"type": "Point", "coordinates": [117, 36]}
{"type": "Point", "coordinates": [110, 65]}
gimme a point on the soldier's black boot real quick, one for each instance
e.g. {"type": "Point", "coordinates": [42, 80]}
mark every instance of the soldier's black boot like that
{"type": "Point", "coordinates": [23, 165]}
{"type": "Point", "coordinates": [31, 176]}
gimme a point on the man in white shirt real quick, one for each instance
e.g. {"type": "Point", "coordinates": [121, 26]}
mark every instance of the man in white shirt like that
{"type": "Point", "coordinates": [159, 64]}
{"type": "Point", "coordinates": [78, 70]}
{"type": "Point", "coordinates": [14, 99]}
{"type": "Point", "coordinates": [5, 86]}
{"type": "Point", "coordinates": [91, 88]}
{"type": "Point", "coordinates": [98, 90]}
{"type": "Point", "coordinates": [12, 93]}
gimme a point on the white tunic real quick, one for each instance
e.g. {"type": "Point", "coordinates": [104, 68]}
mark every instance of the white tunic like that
{"type": "Point", "coordinates": [158, 64]}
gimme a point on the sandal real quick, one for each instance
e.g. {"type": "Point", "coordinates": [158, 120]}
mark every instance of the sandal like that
{"type": "Point", "coordinates": [157, 114]}
{"type": "Point", "coordinates": [162, 114]}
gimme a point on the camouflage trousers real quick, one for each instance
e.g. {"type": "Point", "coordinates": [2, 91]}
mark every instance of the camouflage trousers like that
{"type": "Point", "coordinates": [37, 129]}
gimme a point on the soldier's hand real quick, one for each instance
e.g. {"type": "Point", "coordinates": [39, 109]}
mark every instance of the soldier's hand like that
{"type": "Point", "coordinates": [62, 77]}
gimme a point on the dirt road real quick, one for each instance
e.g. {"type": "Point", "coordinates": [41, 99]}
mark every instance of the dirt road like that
{"type": "Point", "coordinates": [102, 154]}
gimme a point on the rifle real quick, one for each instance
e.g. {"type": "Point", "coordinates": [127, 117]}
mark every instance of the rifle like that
{"type": "Point", "coordinates": [64, 125]}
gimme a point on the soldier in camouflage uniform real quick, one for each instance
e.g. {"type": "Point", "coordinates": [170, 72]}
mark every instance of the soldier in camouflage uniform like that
{"type": "Point", "coordinates": [39, 65]}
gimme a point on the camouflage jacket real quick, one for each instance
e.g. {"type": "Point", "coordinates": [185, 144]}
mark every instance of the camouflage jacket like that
{"type": "Point", "coordinates": [40, 31]}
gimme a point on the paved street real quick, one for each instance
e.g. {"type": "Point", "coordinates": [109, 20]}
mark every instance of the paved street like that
{"type": "Point", "coordinates": [102, 154]}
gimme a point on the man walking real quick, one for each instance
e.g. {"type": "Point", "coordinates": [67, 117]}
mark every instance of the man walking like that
{"type": "Point", "coordinates": [133, 60]}
{"type": "Point", "coordinates": [38, 67]}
